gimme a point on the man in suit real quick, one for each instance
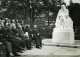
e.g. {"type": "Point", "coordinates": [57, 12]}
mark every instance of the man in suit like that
{"type": "Point", "coordinates": [28, 34]}
{"type": "Point", "coordinates": [36, 37]}
{"type": "Point", "coordinates": [7, 44]}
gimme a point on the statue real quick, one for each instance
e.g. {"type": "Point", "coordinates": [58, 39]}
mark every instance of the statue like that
{"type": "Point", "coordinates": [63, 31]}
{"type": "Point", "coordinates": [63, 20]}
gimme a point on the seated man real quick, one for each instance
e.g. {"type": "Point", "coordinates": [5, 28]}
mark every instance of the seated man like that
{"type": "Point", "coordinates": [6, 47]}
{"type": "Point", "coordinates": [36, 37]}
{"type": "Point", "coordinates": [25, 37]}
{"type": "Point", "coordinates": [28, 41]}
{"type": "Point", "coordinates": [13, 39]}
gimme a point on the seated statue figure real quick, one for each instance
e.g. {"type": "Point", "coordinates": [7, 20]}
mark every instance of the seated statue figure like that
{"type": "Point", "coordinates": [63, 20]}
{"type": "Point", "coordinates": [63, 31]}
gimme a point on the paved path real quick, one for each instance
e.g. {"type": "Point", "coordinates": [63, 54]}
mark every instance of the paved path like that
{"type": "Point", "coordinates": [48, 42]}
{"type": "Point", "coordinates": [52, 51]}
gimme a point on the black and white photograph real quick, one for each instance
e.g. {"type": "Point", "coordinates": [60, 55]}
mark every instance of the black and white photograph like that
{"type": "Point", "coordinates": [39, 28]}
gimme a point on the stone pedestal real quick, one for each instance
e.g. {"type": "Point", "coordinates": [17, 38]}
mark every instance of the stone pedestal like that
{"type": "Point", "coordinates": [63, 36]}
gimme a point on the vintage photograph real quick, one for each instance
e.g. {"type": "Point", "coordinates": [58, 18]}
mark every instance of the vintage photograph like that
{"type": "Point", "coordinates": [39, 28]}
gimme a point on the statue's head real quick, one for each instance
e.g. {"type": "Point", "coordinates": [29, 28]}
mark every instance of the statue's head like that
{"type": "Point", "coordinates": [63, 6]}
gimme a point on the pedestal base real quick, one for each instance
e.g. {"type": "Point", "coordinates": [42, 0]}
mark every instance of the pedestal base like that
{"type": "Point", "coordinates": [65, 36]}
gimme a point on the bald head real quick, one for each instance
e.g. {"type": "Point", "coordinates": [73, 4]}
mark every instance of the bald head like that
{"type": "Point", "coordinates": [35, 26]}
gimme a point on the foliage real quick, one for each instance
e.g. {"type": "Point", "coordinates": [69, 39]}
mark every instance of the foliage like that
{"type": "Point", "coordinates": [26, 9]}
{"type": "Point", "coordinates": [74, 11]}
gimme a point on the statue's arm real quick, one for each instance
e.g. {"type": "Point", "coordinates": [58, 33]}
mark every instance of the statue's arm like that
{"type": "Point", "coordinates": [57, 19]}
{"type": "Point", "coordinates": [59, 14]}
{"type": "Point", "coordinates": [67, 13]}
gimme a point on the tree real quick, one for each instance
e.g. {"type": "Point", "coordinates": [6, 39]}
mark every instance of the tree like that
{"type": "Point", "coordinates": [74, 11]}
{"type": "Point", "coordinates": [27, 9]}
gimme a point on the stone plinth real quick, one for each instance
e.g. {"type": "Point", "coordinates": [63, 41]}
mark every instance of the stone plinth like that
{"type": "Point", "coordinates": [60, 35]}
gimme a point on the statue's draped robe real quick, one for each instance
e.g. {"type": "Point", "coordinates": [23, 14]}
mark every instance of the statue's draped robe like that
{"type": "Point", "coordinates": [63, 20]}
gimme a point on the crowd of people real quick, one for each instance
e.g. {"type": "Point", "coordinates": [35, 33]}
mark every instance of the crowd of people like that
{"type": "Point", "coordinates": [16, 36]}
